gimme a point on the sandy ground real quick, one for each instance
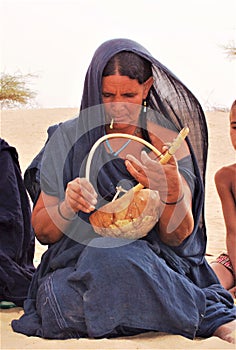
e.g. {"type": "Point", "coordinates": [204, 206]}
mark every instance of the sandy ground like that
{"type": "Point", "coordinates": [26, 130]}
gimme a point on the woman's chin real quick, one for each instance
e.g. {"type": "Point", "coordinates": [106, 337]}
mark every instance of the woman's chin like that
{"type": "Point", "coordinates": [121, 126]}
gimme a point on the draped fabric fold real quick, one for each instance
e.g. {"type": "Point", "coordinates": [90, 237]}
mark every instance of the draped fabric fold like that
{"type": "Point", "coordinates": [16, 234]}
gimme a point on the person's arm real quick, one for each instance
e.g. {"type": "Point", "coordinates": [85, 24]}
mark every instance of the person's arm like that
{"type": "Point", "coordinates": [176, 219]}
{"type": "Point", "coordinates": [225, 179]}
{"type": "Point", "coordinates": [50, 217]}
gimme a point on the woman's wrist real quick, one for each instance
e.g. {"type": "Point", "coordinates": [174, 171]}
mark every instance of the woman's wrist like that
{"type": "Point", "coordinates": [173, 202]}
{"type": "Point", "coordinates": [174, 197]}
{"type": "Point", "coordinates": [68, 215]}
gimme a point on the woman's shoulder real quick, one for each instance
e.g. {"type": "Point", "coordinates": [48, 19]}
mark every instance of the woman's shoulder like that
{"type": "Point", "coordinates": [70, 124]}
{"type": "Point", "coordinates": [65, 130]}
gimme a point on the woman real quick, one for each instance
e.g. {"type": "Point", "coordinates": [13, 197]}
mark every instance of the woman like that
{"type": "Point", "coordinates": [225, 264]}
{"type": "Point", "coordinates": [91, 286]}
{"type": "Point", "coordinates": [16, 234]}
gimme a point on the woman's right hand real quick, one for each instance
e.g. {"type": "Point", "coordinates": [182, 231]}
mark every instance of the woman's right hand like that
{"type": "Point", "coordinates": [80, 195]}
{"type": "Point", "coordinates": [51, 218]}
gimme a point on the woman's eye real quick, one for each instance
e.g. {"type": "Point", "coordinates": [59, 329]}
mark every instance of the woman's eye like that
{"type": "Point", "coordinates": [129, 95]}
{"type": "Point", "coordinates": [106, 94]}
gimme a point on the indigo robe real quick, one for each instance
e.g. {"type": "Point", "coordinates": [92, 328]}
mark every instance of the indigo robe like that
{"type": "Point", "coordinates": [16, 234]}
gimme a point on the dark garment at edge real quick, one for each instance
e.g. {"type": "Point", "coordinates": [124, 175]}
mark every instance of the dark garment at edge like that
{"type": "Point", "coordinates": [16, 234]}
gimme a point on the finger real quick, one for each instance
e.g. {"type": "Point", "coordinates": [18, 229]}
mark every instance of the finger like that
{"type": "Point", "coordinates": [84, 206]}
{"type": "Point", "coordinates": [134, 160]}
{"type": "Point", "coordinates": [152, 165]}
{"type": "Point", "coordinates": [134, 165]}
{"type": "Point", "coordinates": [146, 160]}
{"type": "Point", "coordinates": [85, 184]}
{"type": "Point", "coordinates": [81, 191]}
{"type": "Point", "coordinates": [132, 168]}
{"type": "Point", "coordinates": [137, 173]}
{"type": "Point", "coordinates": [166, 158]}
{"type": "Point", "coordinates": [80, 204]}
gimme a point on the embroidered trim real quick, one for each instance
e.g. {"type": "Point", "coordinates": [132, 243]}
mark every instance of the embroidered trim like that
{"type": "Point", "coordinates": [119, 150]}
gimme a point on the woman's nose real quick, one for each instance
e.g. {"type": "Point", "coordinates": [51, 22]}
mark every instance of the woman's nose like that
{"type": "Point", "coordinates": [117, 104]}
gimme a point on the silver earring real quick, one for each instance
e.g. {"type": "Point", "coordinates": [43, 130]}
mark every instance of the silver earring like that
{"type": "Point", "coordinates": [144, 106]}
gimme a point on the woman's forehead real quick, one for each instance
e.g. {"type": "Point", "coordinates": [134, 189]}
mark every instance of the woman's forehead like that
{"type": "Point", "coordinates": [119, 81]}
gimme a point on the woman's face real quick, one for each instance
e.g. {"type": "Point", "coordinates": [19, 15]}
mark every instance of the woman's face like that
{"type": "Point", "coordinates": [123, 99]}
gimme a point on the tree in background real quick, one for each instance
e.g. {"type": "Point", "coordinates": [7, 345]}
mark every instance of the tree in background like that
{"type": "Point", "coordinates": [14, 91]}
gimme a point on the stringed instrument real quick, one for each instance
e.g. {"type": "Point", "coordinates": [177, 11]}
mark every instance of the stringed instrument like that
{"type": "Point", "coordinates": [134, 214]}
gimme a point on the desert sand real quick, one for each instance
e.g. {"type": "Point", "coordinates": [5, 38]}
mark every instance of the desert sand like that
{"type": "Point", "coordinates": [27, 131]}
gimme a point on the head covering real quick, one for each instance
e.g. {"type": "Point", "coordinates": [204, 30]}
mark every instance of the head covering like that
{"type": "Point", "coordinates": [168, 95]}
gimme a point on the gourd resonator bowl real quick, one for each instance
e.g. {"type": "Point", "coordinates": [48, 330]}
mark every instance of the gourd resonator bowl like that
{"type": "Point", "coordinates": [134, 214]}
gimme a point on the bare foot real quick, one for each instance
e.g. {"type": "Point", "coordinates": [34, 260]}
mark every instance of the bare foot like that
{"type": "Point", "coordinates": [226, 332]}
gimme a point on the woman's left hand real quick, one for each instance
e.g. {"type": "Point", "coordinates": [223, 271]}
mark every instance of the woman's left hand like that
{"type": "Point", "coordinates": [151, 174]}
{"type": "Point", "coordinates": [176, 220]}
